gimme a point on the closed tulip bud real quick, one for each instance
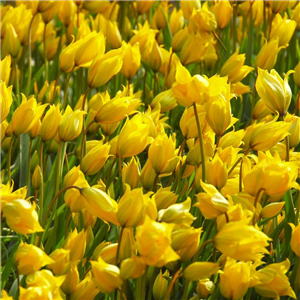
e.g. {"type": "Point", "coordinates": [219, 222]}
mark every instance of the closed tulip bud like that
{"type": "Point", "coordinates": [66, 11]}
{"type": "Point", "coordinates": [131, 173]}
{"type": "Point", "coordinates": [71, 279]}
{"type": "Point", "coordinates": [29, 259]}
{"type": "Point", "coordinates": [260, 110]}
{"type": "Point", "coordinates": [185, 241]}
{"type": "Point", "coordinates": [297, 74]}
{"type": "Point", "coordinates": [295, 241]}
{"type": "Point", "coordinates": [6, 100]}
{"type": "Point", "coordinates": [162, 154]}
{"type": "Point", "coordinates": [127, 244]}
{"type": "Point", "coordinates": [76, 243]}
{"type": "Point", "coordinates": [188, 7]}
{"type": "Point", "coordinates": [114, 39]}
{"type": "Point", "coordinates": [35, 130]}
{"type": "Point", "coordinates": [296, 15]}
{"type": "Point", "coordinates": [205, 287]}
{"type": "Point", "coordinates": [67, 57]}
{"type": "Point", "coordinates": [86, 289]}
{"type": "Point", "coordinates": [148, 176]}
{"type": "Point", "coordinates": [11, 41]}
{"type": "Point", "coordinates": [50, 123]}
{"type": "Point", "coordinates": [34, 161]}
{"type": "Point", "coordinates": [176, 21]}
{"type": "Point", "coordinates": [165, 100]}
{"type": "Point", "coordinates": [70, 125]}
{"type": "Point", "coordinates": [241, 242]}
{"type": "Point", "coordinates": [132, 267]}
{"type": "Point", "coordinates": [164, 198]}
{"type": "Point", "coordinates": [199, 270]}
{"type": "Point", "coordinates": [267, 56]}
{"type": "Point", "coordinates": [187, 89]}
{"type": "Point", "coordinates": [275, 92]}
{"type": "Point", "coordinates": [160, 285]}
{"type": "Point", "coordinates": [177, 213]}
{"type": "Point", "coordinates": [272, 210]}
{"type": "Point", "coordinates": [179, 39]}
{"type": "Point", "coordinates": [100, 205]}
{"type": "Point", "coordinates": [21, 217]}
{"type": "Point", "coordinates": [5, 70]}
{"type": "Point", "coordinates": [105, 276]}
{"type": "Point", "coordinates": [61, 258]}
{"type": "Point", "coordinates": [72, 176]}
{"type": "Point", "coordinates": [234, 67]}
{"type": "Point", "coordinates": [153, 242]}
{"type": "Point", "coordinates": [155, 58]}
{"type": "Point", "coordinates": [223, 13]}
{"type": "Point", "coordinates": [37, 178]}
{"type": "Point", "coordinates": [216, 172]}
{"type": "Point", "coordinates": [133, 137]}
{"type": "Point", "coordinates": [95, 159]}
{"type": "Point", "coordinates": [104, 67]}
{"type": "Point", "coordinates": [211, 204]}
{"type": "Point", "coordinates": [108, 253]}
{"type": "Point", "coordinates": [131, 60]}
{"type": "Point", "coordinates": [278, 7]}
{"type": "Point", "coordinates": [235, 279]}
{"type": "Point", "coordinates": [274, 282]}
{"type": "Point", "coordinates": [232, 138]}
{"type": "Point", "coordinates": [26, 115]}
{"type": "Point", "coordinates": [132, 207]}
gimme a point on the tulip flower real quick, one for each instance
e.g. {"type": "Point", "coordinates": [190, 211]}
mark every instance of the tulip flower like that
{"type": "Point", "coordinates": [11, 41]}
{"type": "Point", "coordinates": [105, 276]}
{"type": "Point", "coordinates": [131, 173]}
{"type": "Point", "coordinates": [223, 13]}
{"type": "Point", "coordinates": [267, 56]}
{"type": "Point", "coordinates": [166, 100]}
{"type": "Point", "coordinates": [297, 74]}
{"type": "Point", "coordinates": [131, 60]}
{"type": "Point", "coordinates": [274, 91]}
{"type": "Point", "coordinates": [199, 270]}
{"type": "Point", "coordinates": [76, 244]}
{"type": "Point", "coordinates": [274, 282]}
{"type": "Point", "coordinates": [272, 210]}
{"type": "Point", "coordinates": [164, 198]}
{"type": "Point", "coordinates": [5, 70]}
{"type": "Point", "coordinates": [26, 115]}
{"type": "Point", "coordinates": [104, 67]}
{"type": "Point", "coordinates": [153, 242]}
{"type": "Point", "coordinates": [5, 296]}
{"type": "Point", "coordinates": [278, 7]}
{"type": "Point", "coordinates": [295, 241]}
{"type": "Point", "coordinates": [22, 217]}
{"type": "Point", "coordinates": [211, 204]}
{"type": "Point", "coordinates": [71, 279]}
{"type": "Point", "coordinates": [61, 258]}
{"type": "Point", "coordinates": [50, 123]}
{"type": "Point", "coordinates": [86, 289]}
{"type": "Point", "coordinates": [204, 19]}
{"type": "Point", "coordinates": [260, 110]}
{"type": "Point", "coordinates": [216, 172]}
{"type": "Point", "coordinates": [236, 278]}
{"type": "Point", "coordinates": [176, 21]}
{"type": "Point", "coordinates": [66, 11]}
{"type": "Point", "coordinates": [189, 6]}
{"type": "Point", "coordinates": [241, 242]}
{"type": "Point", "coordinates": [6, 100]}
{"type": "Point", "coordinates": [70, 125]}
{"type": "Point", "coordinates": [30, 259]}
{"type": "Point", "coordinates": [132, 267]}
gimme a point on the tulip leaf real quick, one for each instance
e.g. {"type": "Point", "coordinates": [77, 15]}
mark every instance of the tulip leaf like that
{"type": "Point", "coordinates": [289, 206]}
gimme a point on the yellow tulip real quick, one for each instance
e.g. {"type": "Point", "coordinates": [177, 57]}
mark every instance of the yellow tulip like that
{"type": "Point", "coordinates": [143, 6]}
{"type": "Point", "coordinates": [76, 244]}
{"type": "Point", "coordinates": [272, 210]}
{"type": "Point", "coordinates": [5, 70]}
{"type": "Point", "coordinates": [105, 276]}
{"type": "Point", "coordinates": [71, 279]}
{"type": "Point", "coordinates": [260, 110]}
{"type": "Point", "coordinates": [188, 90]}
{"type": "Point", "coordinates": [61, 258]}
{"type": "Point", "coordinates": [104, 67]}
{"type": "Point", "coordinates": [50, 123]}
{"type": "Point", "coordinates": [165, 99]}
{"type": "Point", "coordinates": [131, 173]}
{"type": "Point", "coordinates": [204, 19]}
{"type": "Point", "coordinates": [216, 172]}
{"type": "Point", "coordinates": [131, 60]}
{"type": "Point", "coordinates": [86, 289]}
{"type": "Point", "coordinates": [267, 56]}
{"type": "Point", "coordinates": [95, 159]}
{"type": "Point", "coordinates": [66, 11]}
{"type": "Point", "coordinates": [236, 278]}
{"type": "Point", "coordinates": [70, 125]}
{"type": "Point", "coordinates": [179, 39]}
{"type": "Point", "coordinates": [132, 207]}
{"type": "Point", "coordinates": [11, 41]}
{"type": "Point", "coordinates": [113, 35]}
{"type": "Point", "coordinates": [133, 267]}
{"type": "Point", "coordinates": [199, 270]}
{"type": "Point", "coordinates": [241, 242]}
{"type": "Point", "coordinates": [277, 6]}
{"type": "Point", "coordinates": [275, 92]}
{"type": "Point", "coordinates": [274, 282]}
{"type": "Point", "coordinates": [153, 242]}
{"type": "Point", "coordinates": [6, 100]}
{"type": "Point", "coordinates": [30, 259]}
{"type": "Point", "coordinates": [188, 7]}
{"type": "Point", "coordinates": [100, 205]}
{"type": "Point", "coordinates": [22, 217]}
{"type": "Point", "coordinates": [234, 67]}
{"type": "Point", "coordinates": [296, 15]}
{"type": "Point", "coordinates": [164, 198]}
{"type": "Point", "coordinates": [232, 138]}
{"type": "Point", "coordinates": [296, 74]}
{"type": "Point", "coordinates": [176, 21]}
{"type": "Point", "coordinates": [295, 241]}
{"type": "Point", "coordinates": [67, 57]}
{"type": "Point", "coordinates": [211, 204]}
{"type": "Point", "coordinates": [223, 13]}
{"type": "Point", "coordinates": [133, 137]}
{"type": "Point", "coordinates": [26, 115]}
{"type": "Point", "coordinates": [5, 296]}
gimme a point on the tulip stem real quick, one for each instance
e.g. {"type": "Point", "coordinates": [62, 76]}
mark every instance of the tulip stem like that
{"type": "Point", "coordinates": [141, 285]}
{"type": "Point", "coordinates": [84, 131]}
{"type": "Point", "coordinates": [237, 162]}
{"type": "Point", "coordinates": [29, 57]}
{"type": "Point", "coordinates": [50, 207]}
{"type": "Point", "coordinates": [119, 243]}
{"type": "Point", "coordinates": [45, 54]}
{"type": "Point", "coordinates": [186, 290]}
{"type": "Point", "coordinates": [58, 168]}
{"type": "Point", "coordinates": [198, 252]}
{"type": "Point", "coordinates": [17, 81]}
{"type": "Point", "coordinates": [174, 278]}
{"type": "Point", "coordinates": [9, 160]}
{"type": "Point", "coordinates": [66, 89]}
{"type": "Point", "coordinates": [287, 147]}
{"type": "Point", "coordinates": [257, 198]}
{"type": "Point", "coordinates": [201, 142]}
{"type": "Point", "coordinates": [155, 183]}
{"type": "Point", "coordinates": [29, 159]}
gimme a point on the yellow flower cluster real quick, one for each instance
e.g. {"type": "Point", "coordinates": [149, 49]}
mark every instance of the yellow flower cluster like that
{"type": "Point", "coordinates": [150, 150]}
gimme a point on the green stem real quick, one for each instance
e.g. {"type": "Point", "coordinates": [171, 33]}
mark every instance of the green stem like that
{"type": "Point", "coordinates": [297, 210]}
{"type": "Point", "coordinates": [41, 200]}
{"type": "Point", "coordinates": [237, 162]}
{"type": "Point", "coordinates": [29, 57]}
{"type": "Point", "coordinates": [200, 248]}
{"type": "Point", "coordinates": [17, 81]}
{"type": "Point", "coordinates": [287, 147]}
{"type": "Point", "coordinates": [257, 198]}
{"type": "Point", "coordinates": [29, 159]}
{"type": "Point", "coordinates": [9, 160]}
{"type": "Point", "coordinates": [141, 286]}
{"type": "Point", "coordinates": [186, 290]}
{"type": "Point", "coordinates": [155, 183]}
{"type": "Point", "coordinates": [83, 141]}
{"type": "Point", "coordinates": [45, 54]}
{"type": "Point", "coordinates": [119, 243]}
{"type": "Point", "coordinates": [201, 142]}
{"type": "Point", "coordinates": [58, 168]}
{"type": "Point", "coordinates": [66, 89]}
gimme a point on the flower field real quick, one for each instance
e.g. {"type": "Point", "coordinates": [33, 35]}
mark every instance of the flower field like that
{"type": "Point", "coordinates": [150, 150]}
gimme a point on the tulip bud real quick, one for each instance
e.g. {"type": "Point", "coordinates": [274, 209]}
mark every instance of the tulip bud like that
{"type": "Point", "coordinates": [131, 174]}
{"type": "Point", "coordinates": [6, 99]}
{"type": "Point", "coordinates": [189, 6]}
{"type": "Point", "coordinates": [277, 6]}
{"type": "Point", "coordinates": [132, 267]}
{"type": "Point", "coordinates": [166, 100]}
{"type": "Point", "coordinates": [295, 241]}
{"type": "Point", "coordinates": [176, 21]}
{"type": "Point", "coordinates": [223, 13]}
{"type": "Point", "coordinates": [296, 16]}
{"type": "Point", "coordinates": [164, 198]}
{"type": "Point", "coordinates": [179, 39]}
{"type": "Point", "coordinates": [216, 172]}
{"type": "Point", "coordinates": [71, 279]}
{"type": "Point", "coordinates": [37, 178]}
{"type": "Point", "coordinates": [5, 70]}
{"type": "Point", "coordinates": [260, 110]}
{"type": "Point", "coordinates": [160, 285]}
{"type": "Point", "coordinates": [127, 244]}
{"type": "Point", "coordinates": [22, 217]}
{"type": "Point", "coordinates": [205, 287]}
{"type": "Point", "coordinates": [131, 60]}
{"type": "Point", "coordinates": [200, 270]}
{"type": "Point", "coordinates": [106, 277]}
{"type": "Point", "coordinates": [66, 11]}
{"type": "Point", "coordinates": [232, 138]}
{"type": "Point", "coordinates": [29, 259]}
{"type": "Point", "coordinates": [272, 210]}
{"type": "Point", "coordinates": [155, 58]}
{"type": "Point", "coordinates": [148, 176]}
{"type": "Point", "coordinates": [50, 123]}
{"type": "Point", "coordinates": [76, 243]}
{"type": "Point", "coordinates": [61, 258]}
{"type": "Point", "coordinates": [34, 161]}
{"type": "Point", "coordinates": [297, 74]}
{"type": "Point", "coordinates": [11, 41]}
